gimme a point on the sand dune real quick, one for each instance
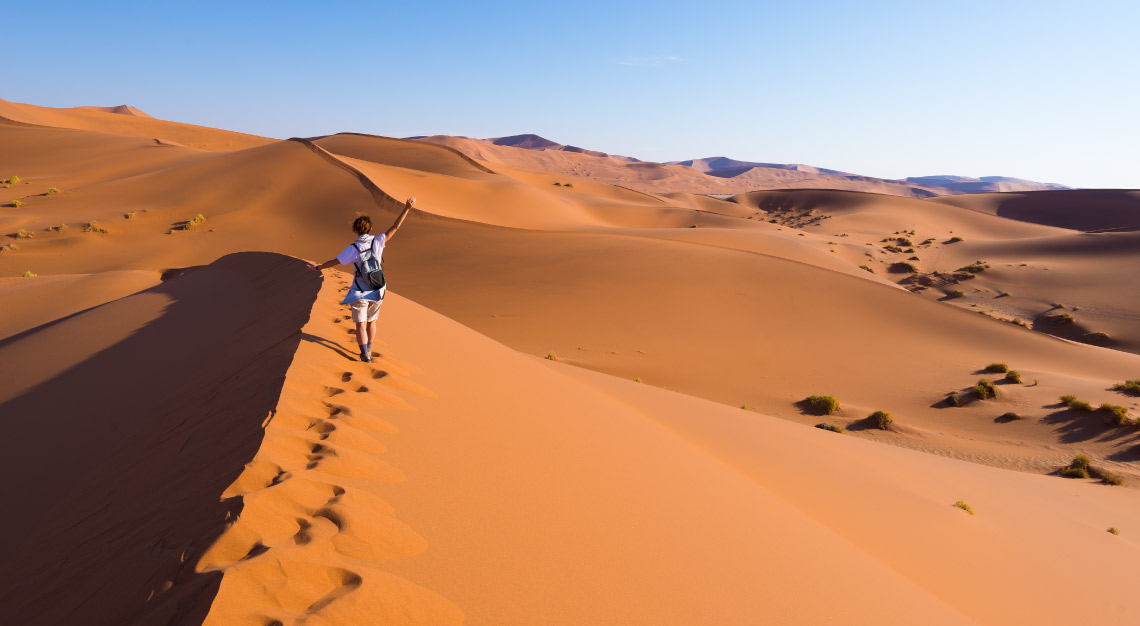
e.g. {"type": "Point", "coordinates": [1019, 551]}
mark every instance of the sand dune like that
{"type": "Point", "coordinates": [455, 480]}
{"type": "Point", "coordinates": [131, 123]}
{"type": "Point", "coordinates": [460, 478]}
{"type": "Point", "coordinates": [1084, 209]}
{"type": "Point", "coordinates": [668, 177]}
{"type": "Point", "coordinates": [122, 109]}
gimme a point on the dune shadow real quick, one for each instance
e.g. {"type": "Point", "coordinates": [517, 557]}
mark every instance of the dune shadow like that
{"type": "Point", "coordinates": [123, 455]}
{"type": "Point", "coordinates": [321, 341]}
{"type": "Point", "coordinates": [1077, 426]}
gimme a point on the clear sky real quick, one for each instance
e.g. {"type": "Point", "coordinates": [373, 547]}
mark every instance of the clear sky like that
{"type": "Point", "coordinates": [1045, 90]}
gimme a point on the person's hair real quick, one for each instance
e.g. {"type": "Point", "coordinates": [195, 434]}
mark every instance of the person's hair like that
{"type": "Point", "coordinates": [362, 225]}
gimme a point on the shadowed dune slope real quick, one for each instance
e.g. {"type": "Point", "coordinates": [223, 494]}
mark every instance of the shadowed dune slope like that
{"type": "Point", "coordinates": [1080, 209]}
{"type": "Point", "coordinates": [135, 125]}
{"type": "Point", "coordinates": [132, 419]}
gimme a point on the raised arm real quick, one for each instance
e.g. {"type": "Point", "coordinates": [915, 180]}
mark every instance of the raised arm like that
{"type": "Point", "coordinates": [388, 234]}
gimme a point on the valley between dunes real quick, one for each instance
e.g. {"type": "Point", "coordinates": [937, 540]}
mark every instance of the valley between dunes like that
{"type": "Point", "coordinates": [194, 442]}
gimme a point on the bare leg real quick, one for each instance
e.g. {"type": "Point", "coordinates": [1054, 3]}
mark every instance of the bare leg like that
{"type": "Point", "coordinates": [362, 332]}
{"type": "Point", "coordinates": [372, 331]}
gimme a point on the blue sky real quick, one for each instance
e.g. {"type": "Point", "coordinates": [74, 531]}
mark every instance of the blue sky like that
{"type": "Point", "coordinates": [1042, 90]}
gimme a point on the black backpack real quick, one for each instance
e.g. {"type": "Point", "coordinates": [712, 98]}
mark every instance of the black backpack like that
{"type": "Point", "coordinates": [369, 271]}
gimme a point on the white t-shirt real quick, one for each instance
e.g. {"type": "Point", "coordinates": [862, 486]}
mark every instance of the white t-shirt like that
{"type": "Point", "coordinates": [351, 254]}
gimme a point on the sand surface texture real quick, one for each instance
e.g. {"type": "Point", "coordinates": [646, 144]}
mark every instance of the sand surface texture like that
{"type": "Point", "coordinates": [194, 441]}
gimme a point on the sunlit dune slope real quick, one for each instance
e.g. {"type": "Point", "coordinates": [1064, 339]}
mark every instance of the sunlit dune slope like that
{"type": "Point", "coordinates": [31, 303]}
{"type": "Point", "coordinates": [602, 501]}
{"type": "Point", "coordinates": [131, 124]}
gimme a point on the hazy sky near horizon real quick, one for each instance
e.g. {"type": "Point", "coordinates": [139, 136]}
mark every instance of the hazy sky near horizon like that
{"type": "Point", "coordinates": [1044, 90]}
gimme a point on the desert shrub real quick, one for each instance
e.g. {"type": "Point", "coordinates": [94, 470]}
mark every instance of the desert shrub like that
{"type": "Point", "coordinates": [961, 276]}
{"type": "Point", "coordinates": [892, 248]}
{"type": "Point", "coordinates": [1080, 405]}
{"type": "Point", "coordinates": [1128, 386]}
{"type": "Point", "coordinates": [956, 239]}
{"type": "Point", "coordinates": [961, 504]}
{"type": "Point", "coordinates": [822, 404]}
{"type": "Point", "coordinates": [909, 251]}
{"type": "Point", "coordinates": [29, 274]}
{"type": "Point", "coordinates": [1013, 376]}
{"type": "Point", "coordinates": [902, 267]}
{"type": "Point", "coordinates": [1068, 399]}
{"type": "Point", "coordinates": [60, 228]}
{"type": "Point", "coordinates": [1097, 337]}
{"type": "Point", "coordinates": [984, 389]}
{"type": "Point", "coordinates": [551, 356]}
{"type": "Point", "coordinates": [833, 428]}
{"type": "Point", "coordinates": [557, 184]}
{"type": "Point", "coordinates": [927, 242]}
{"type": "Point", "coordinates": [1020, 322]}
{"type": "Point", "coordinates": [744, 406]}
{"type": "Point", "coordinates": [94, 227]}
{"type": "Point", "coordinates": [1004, 294]}
{"type": "Point", "coordinates": [52, 191]}
{"type": "Point", "coordinates": [129, 216]}
{"type": "Point", "coordinates": [975, 268]}
{"type": "Point", "coordinates": [1010, 416]}
{"type": "Point", "coordinates": [194, 222]}
{"type": "Point", "coordinates": [637, 380]}
{"type": "Point", "coordinates": [1074, 472]}
{"type": "Point", "coordinates": [1058, 318]}
{"type": "Point", "coordinates": [13, 180]}
{"type": "Point", "coordinates": [953, 399]}
{"type": "Point", "coordinates": [15, 204]}
{"type": "Point", "coordinates": [957, 293]}
{"type": "Point", "coordinates": [1108, 477]}
{"type": "Point", "coordinates": [9, 248]}
{"type": "Point", "coordinates": [903, 241]}
{"type": "Point", "coordinates": [1117, 415]}
{"type": "Point", "coordinates": [1114, 530]}
{"type": "Point", "coordinates": [881, 420]}
{"type": "Point", "coordinates": [567, 184]}
{"type": "Point", "coordinates": [997, 368]}
{"type": "Point", "coordinates": [864, 267]}
{"type": "Point", "coordinates": [23, 234]}
{"type": "Point", "coordinates": [1081, 461]}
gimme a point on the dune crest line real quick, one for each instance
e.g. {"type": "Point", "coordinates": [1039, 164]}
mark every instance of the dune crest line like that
{"type": "Point", "coordinates": [314, 529]}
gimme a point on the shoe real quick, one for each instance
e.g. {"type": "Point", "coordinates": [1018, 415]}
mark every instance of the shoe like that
{"type": "Point", "coordinates": [364, 356]}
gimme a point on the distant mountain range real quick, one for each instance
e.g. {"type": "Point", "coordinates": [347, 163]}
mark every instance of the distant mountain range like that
{"type": "Point", "coordinates": [712, 175]}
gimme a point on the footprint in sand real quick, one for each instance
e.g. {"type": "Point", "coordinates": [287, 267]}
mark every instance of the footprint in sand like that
{"type": "Point", "coordinates": [346, 582]}
{"type": "Point", "coordinates": [345, 377]}
{"type": "Point", "coordinates": [322, 428]}
{"type": "Point", "coordinates": [332, 391]}
{"type": "Point", "coordinates": [302, 536]}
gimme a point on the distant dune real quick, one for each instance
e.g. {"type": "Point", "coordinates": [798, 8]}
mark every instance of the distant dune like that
{"type": "Point", "coordinates": [122, 109]}
{"type": "Point", "coordinates": [965, 184]}
{"type": "Point", "coordinates": [712, 175]}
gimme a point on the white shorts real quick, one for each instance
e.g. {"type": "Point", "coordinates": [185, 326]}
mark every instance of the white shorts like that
{"type": "Point", "coordinates": [365, 310]}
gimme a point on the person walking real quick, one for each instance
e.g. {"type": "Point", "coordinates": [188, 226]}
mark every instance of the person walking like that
{"type": "Point", "coordinates": [366, 293]}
